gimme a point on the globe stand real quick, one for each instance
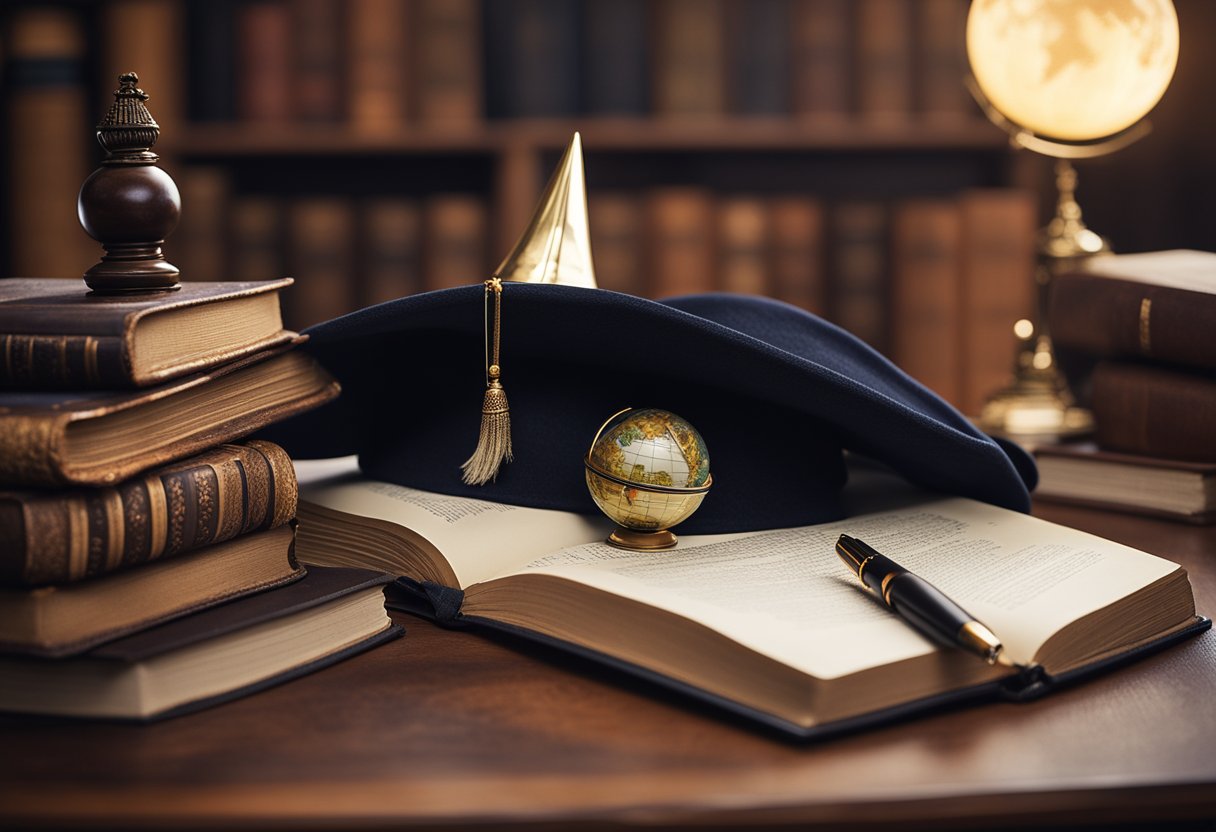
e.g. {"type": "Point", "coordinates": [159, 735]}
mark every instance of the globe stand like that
{"type": "Point", "coordinates": [637, 541]}
{"type": "Point", "coordinates": [1038, 406]}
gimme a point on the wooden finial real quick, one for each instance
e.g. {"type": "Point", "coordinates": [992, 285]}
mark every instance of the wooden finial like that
{"type": "Point", "coordinates": [129, 205]}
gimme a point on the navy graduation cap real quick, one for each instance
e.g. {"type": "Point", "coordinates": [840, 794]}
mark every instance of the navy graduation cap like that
{"type": "Point", "coordinates": [777, 393]}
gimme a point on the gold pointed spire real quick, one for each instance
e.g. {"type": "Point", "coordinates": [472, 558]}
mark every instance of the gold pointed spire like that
{"type": "Point", "coordinates": [556, 246]}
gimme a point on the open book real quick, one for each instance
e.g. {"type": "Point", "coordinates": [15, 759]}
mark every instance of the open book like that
{"type": "Point", "coordinates": [770, 624]}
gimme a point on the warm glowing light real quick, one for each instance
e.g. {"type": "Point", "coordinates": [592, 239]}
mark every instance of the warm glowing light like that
{"type": "Point", "coordinates": [1023, 329]}
{"type": "Point", "coordinates": [1076, 70]}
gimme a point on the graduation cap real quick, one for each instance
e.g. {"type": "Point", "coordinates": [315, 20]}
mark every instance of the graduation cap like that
{"type": "Point", "coordinates": [777, 393]}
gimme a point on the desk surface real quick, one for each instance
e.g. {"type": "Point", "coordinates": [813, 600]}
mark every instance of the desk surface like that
{"type": "Point", "coordinates": [453, 728]}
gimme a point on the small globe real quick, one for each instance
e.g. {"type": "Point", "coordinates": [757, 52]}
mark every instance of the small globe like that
{"type": "Point", "coordinates": [1077, 70]}
{"type": "Point", "coordinates": [647, 470]}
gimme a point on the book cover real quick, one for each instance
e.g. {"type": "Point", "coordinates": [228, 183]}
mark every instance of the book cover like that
{"type": "Point", "coordinates": [798, 256]}
{"type": "Point", "coordinates": [884, 60]}
{"type": "Point", "coordinates": [81, 438]}
{"type": "Point", "coordinates": [759, 59]}
{"type": "Point", "coordinates": [447, 49]}
{"type": "Point", "coordinates": [617, 241]}
{"type": "Point", "coordinates": [211, 42]}
{"type": "Point", "coordinates": [821, 59]}
{"type": "Point", "coordinates": [378, 82]}
{"type": "Point", "coordinates": [690, 58]}
{"type": "Point", "coordinates": [1155, 410]}
{"type": "Point", "coordinates": [681, 250]}
{"type": "Point", "coordinates": [859, 275]}
{"type": "Point", "coordinates": [321, 254]}
{"type": "Point", "coordinates": [926, 254]}
{"type": "Point", "coordinates": [616, 68]}
{"type": "Point", "coordinates": [264, 61]}
{"type": "Point", "coordinates": [213, 656]}
{"type": "Point", "coordinates": [743, 246]}
{"type": "Point", "coordinates": [317, 32]}
{"type": "Point", "coordinates": [941, 60]}
{"type": "Point", "coordinates": [257, 239]}
{"type": "Point", "coordinates": [56, 335]}
{"type": "Point", "coordinates": [69, 535]}
{"type": "Point", "coordinates": [532, 61]}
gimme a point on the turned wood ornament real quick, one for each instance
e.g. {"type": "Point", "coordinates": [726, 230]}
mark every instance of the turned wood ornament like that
{"type": "Point", "coordinates": [129, 205]}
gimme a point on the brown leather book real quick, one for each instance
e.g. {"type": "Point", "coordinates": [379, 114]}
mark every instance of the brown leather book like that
{"type": "Point", "coordinates": [104, 438]}
{"type": "Point", "coordinates": [884, 59]}
{"type": "Point", "coordinates": [1083, 474]}
{"type": "Point", "coordinates": [64, 536]}
{"type": "Point", "coordinates": [859, 274]}
{"type": "Point", "coordinates": [213, 656]}
{"type": "Point", "coordinates": [454, 251]}
{"type": "Point", "coordinates": [616, 241]}
{"type": "Point", "coordinates": [821, 59]}
{"type": "Point", "coordinates": [941, 60]}
{"type": "Point", "coordinates": [681, 246]}
{"type": "Point", "coordinates": [256, 238]}
{"type": "Point", "coordinates": [1155, 410]}
{"type": "Point", "coordinates": [1157, 305]}
{"type": "Point", "coordinates": [317, 35]}
{"type": "Point", "coordinates": [377, 74]}
{"type": "Point", "coordinates": [321, 255]}
{"type": "Point", "coordinates": [199, 245]}
{"type": "Point", "coordinates": [797, 243]}
{"type": "Point", "coordinates": [758, 56]}
{"type": "Point", "coordinates": [743, 246]}
{"type": "Point", "coordinates": [391, 248]}
{"type": "Point", "coordinates": [67, 619]}
{"type": "Point", "coordinates": [56, 335]}
{"type": "Point", "coordinates": [998, 287]}
{"type": "Point", "coordinates": [448, 62]}
{"type": "Point", "coordinates": [926, 254]}
{"type": "Point", "coordinates": [263, 82]}
{"type": "Point", "coordinates": [690, 58]}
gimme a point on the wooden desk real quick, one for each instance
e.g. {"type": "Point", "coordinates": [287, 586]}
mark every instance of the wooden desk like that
{"type": "Point", "coordinates": [455, 729]}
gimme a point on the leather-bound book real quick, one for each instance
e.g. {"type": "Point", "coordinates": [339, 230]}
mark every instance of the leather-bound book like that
{"type": "Point", "coordinates": [998, 287]}
{"type": "Point", "coordinates": [690, 58]}
{"type": "Point", "coordinates": [199, 245]}
{"type": "Point", "coordinates": [55, 335]}
{"type": "Point", "coordinates": [1157, 305]}
{"type": "Point", "coordinates": [377, 77]}
{"type": "Point", "coordinates": [681, 247]}
{"type": "Point", "coordinates": [256, 238]}
{"type": "Point", "coordinates": [263, 85]}
{"type": "Point", "coordinates": [617, 240]}
{"type": "Point", "coordinates": [58, 439]}
{"type": "Point", "coordinates": [213, 656]}
{"type": "Point", "coordinates": [211, 33]}
{"type": "Point", "coordinates": [616, 50]}
{"type": "Point", "coordinates": [859, 271]}
{"type": "Point", "coordinates": [797, 252]}
{"type": "Point", "coordinates": [743, 246]}
{"type": "Point", "coordinates": [532, 60]}
{"type": "Point", "coordinates": [321, 255]}
{"type": "Point", "coordinates": [392, 249]}
{"type": "Point", "coordinates": [941, 60]}
{"type": "Point", "coordinates": [316, 37]}
{"type": "Point", "coordinates": [821, 59]}
{"type": "Point", "coordinates": [884, 59]}
{"type": "Point", "coordinates": [455, 240]}
{"type": "Point", "coordinates": [448, 62]}
{"type": "Point", "coordinates": [759, 57]}
{"type": "Point", "coordinates": [926, 253]}
{"type": "Point", "coordinates": [1155, 410]}
{"type": "Point", "coordinates": [65, 536]}
{"type": "Point", "coordinates": [65, 619]}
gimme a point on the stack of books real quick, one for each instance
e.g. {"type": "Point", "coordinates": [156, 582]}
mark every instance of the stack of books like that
{"type": "Point", "coordinates": [1138, 329]}
{"type": "Point", "coordinates": [147, 559]}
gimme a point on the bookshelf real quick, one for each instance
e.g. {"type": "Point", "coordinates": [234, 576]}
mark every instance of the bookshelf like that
{"type": "Point", "coordinates": [360, 177]}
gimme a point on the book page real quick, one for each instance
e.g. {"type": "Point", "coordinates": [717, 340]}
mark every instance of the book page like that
{"type": "Point", "coordinates": [787, 595]}
{"type": "Point", "coordinates": [479, 539]}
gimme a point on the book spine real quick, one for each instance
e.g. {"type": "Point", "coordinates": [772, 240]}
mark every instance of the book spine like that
{"type": "Point", "coordinates": [212, 44]}
{"type": "Point", "coordinates": [317, 59]}
{"type": "Point", "coordinates": [926, 249]}
{"type": "Point", "coordinates": [61, 361]}
{"type": "Point", "coordinates": [532, 66]}
{"type": "Point", "coordinates": [255, 232]}
{"type": "Point", "coordinates": [392, 239]}
{"type": "Point", "coordinates": [616, 72]}
{"type": "Point", "coordinates": [616, 239]}
{"type": "Point", "coordinates": [998, 287]}
{"type": "Point", "coordinates": [690, 58]}
{"type": "Point", "coordinates": [681, 245]}
{"type": "Point", "coordinates": [448, 70]}
{"type": "Point", "coordinates": [759, 66]}
{"type": "Point", "coordinates": [455, 241]}
{"type": "Point", "coordinates": [941, 59]}
{"type": "Point", "coordinates": [321, 233]}
{"type": "Point", "coordinates": [263, 91]}
{"type": "Point", "coordinates": [30, 448]}
{"type": "Point", "coordinates": [47, 119]}
{"type": "Point", "coordinates": [199, 244]}
{"type": "Point", "coordinates": [859, 258]}
{"type": "Point", "coordinates": [884, 59]}
{"type": "Point", "coordinates": [378, 72]}
{"type": "Point", "coordinates": [821, 59]}
{"type": "Point", "coordinates": [743, 246]}
{"type": "Point", "coordinates": [69, 536]}
{"type": "Point", "coordinates": [797, 252]}
{"type": "Point", "coordinates": [1155, 411]}
{"type": "Point", "coordinates": [1110, 318]}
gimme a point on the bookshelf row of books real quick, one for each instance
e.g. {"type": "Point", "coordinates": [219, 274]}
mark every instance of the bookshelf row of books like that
{"type": "Point", "coordinates": [147, 553]}
{"type": "Point", "coordinates": [385, 63]}
{"type": "Point", "coordinates": [935, 283]}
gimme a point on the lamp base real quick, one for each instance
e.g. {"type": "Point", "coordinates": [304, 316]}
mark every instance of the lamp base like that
{"type": "Point", "coordinates": [1034, 409]}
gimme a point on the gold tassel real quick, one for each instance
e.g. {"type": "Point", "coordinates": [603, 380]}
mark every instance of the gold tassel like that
{"type": "Point", "coordinates": [494, 442]}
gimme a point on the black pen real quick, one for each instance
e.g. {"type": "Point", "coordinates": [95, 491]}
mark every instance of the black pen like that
{"type": "Point", "coordinates": [918, 602]}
